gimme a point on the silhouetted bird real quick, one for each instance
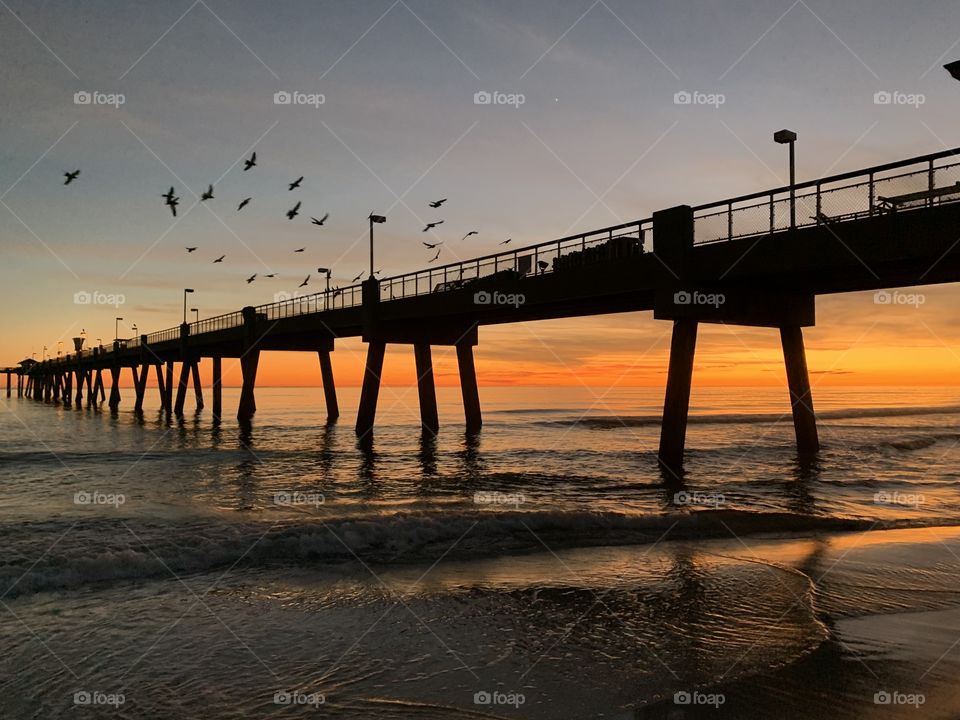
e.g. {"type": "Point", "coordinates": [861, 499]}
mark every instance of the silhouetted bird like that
{"type": "Point", "coordinates": [432, 225]}
{"type": "Point", "coordinates": [435, 256]}
{"type": "Point", "coordinates": [954, 69]}
{"type": "Point", "coordinates": [357, 277]}
{"type": "Point", "coordinates": [190, 249]}
{"type": "Point", "coordinates": [70, 176]}
{"type": "Point", "coordinates": [244, 203]}
{"type": "Point", "coordinates": [296, 183]}
{"type": "Point", "coordinates": [292, 212]}
{"type": "Point", "coordinates": [437, 203]}
{"type": "Point", "coordinates": [172, 204]}
{"type": "Point", "coordinates": [271, 275]}
{"type": "Point", "coordinates": [431, 246]}
{"type": "Point", "coordinates": [507, 241]}
{"type": "Point", "coordinates": [250, 163]}
{"type": "Point", "coordinates": [337, 292]}
{"type": "Point", "coordinates": [321, 221]}
{"type": "Point", "coordinates": [168, 196]}
{"type": "Point", "coordinates": [220, 259]}
{"type": "Point", "coordinates": [251, 278]}
{"type": "Point", "coordinates": [472, 232]}
{"type": "Point", "coordinates": [299, 250]}
{"type": "Point", "coordinates": [208, 195]}
{"type": "Point", "coordinates": [304, 283]}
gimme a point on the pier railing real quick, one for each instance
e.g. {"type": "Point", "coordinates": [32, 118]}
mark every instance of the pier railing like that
{"type": "Point", "coordinates": [572, 251]}
{"type": "Point", "coordinates": [930, 179]}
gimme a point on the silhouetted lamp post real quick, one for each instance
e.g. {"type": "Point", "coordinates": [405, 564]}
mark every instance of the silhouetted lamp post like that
{"type": "Point", "coordinates": [954, 69]}
{"type": "Point", "coordinates": [185, 291]}
{"type": "Point", "coordinates": [374, 219]}
{"type": "Point", "coordinates": [44, 358]}
{"type": "Point", "coordinates": [196, 314]}
{"type": "Point", "coordinates": [325, 271]}
{"type": "Point", "coordinates": [135, 330]}
{"type": "Point", "coordinates": [116, 328]}
{"type": "Point", "coordinates": [788, 137]}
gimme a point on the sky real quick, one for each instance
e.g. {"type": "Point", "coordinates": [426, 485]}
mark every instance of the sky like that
{"type": "Point", "coordinates": [597, 140]}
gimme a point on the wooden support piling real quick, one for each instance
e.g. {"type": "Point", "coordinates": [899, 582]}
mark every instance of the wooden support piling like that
{"type": "Point", "coordinates": [329, 389]}
{"type": "Point", "coordinates": [217, 388]}
{"type": "Point", "coordinates": [248, 367]}
{"type": "Point", "coordinates": [114, 387]}
{"type": "Point", "coordinates": [426, 388]}
{"type": "Point", "coordinates": [468, 387]}
{"type": "Point", "coordinates": [676, 403]}
{"type": "Point", "coordinates": [370, 391]}
{"type": "Point", "coordinates": [801, 400]}
{"type": "Point", "coordinates": [197, 388]}
{"type": "Point", "coordinates": [141, 386]}
{"type": "Point", "coordinates": [182, 388]}
{"type": "Point", "coordinates": [168, 389]}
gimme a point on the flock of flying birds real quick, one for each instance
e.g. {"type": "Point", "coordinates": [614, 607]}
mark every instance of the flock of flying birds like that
{"type": "Point", "coordinates": [172, 201]}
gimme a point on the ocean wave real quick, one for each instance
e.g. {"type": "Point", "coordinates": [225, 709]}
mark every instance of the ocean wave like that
{"type": "Point", "coordinates": [613, 422]}
{"type": "Point", "coordinates": [105, 551]}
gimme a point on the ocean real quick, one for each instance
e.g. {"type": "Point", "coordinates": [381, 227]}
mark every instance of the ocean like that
{"type": "Point", "coordinates": [542, 568]}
